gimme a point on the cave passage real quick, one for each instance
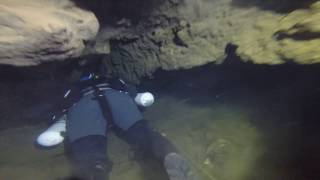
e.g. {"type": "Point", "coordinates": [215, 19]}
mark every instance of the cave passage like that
{"type": "Point", "coordinates": [205, 61]}
{"type": "Point", "coordinates": [233, 121]}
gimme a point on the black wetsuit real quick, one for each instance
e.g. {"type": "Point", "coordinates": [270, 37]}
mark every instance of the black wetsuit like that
{"type": "Point", "coordinates": [87, 126]}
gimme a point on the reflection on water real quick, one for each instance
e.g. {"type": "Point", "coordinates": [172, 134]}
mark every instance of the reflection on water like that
{"type": "Point", "coordinates": [230, 126]}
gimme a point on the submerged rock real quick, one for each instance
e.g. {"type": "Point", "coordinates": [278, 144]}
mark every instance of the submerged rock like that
{"type": "Point", "coordinates": [37, 31]}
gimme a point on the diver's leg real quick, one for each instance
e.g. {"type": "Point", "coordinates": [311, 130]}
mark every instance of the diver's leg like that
{"type": "Point", "coordinates": [86, 134]}
{"type": "Point", "coordinates": [145, 140]}
{"type": "Point", "coordinates": [88, 158]}
{"type": "Point", "coordinates": [129, 120]}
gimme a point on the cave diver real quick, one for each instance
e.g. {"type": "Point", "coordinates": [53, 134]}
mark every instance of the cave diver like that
{"type": "Point", "coordinates": [96, 105]}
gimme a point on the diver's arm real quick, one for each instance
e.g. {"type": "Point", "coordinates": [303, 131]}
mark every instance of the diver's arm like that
{"type": "Point", "coordinates": [119, 84]}
{"type": "Point", "coordinates": [144, 99]}
{"type": "Point", "coordinates": [70, 97]}
{"type": "Point", "coordinates": [52, 136]}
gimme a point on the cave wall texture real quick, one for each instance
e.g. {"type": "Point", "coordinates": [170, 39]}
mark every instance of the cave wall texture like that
{"type": "Point", "coordinates": [37, 31]}
{"type": "Point", "coordinates": [145, 35]}
{"type": "Point", "coordinates": [176, 34]}
{"type": "Point", "coordinates": [140, 36]}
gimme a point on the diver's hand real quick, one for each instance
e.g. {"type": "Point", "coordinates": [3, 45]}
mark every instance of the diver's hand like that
{"type": "Point", "coordinates": [53, 135]}
{"type": "Point", "coordinates": [144, 99]}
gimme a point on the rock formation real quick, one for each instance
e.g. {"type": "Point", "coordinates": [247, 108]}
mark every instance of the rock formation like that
{"type": "Point", "coordinates": [143, 36]}
{"type": "Point", "coordinates": [188, 33]}
{"type": "Point", "coordinates": [276, 39]}
{"type": "Point", "coordinates": [37, 31]}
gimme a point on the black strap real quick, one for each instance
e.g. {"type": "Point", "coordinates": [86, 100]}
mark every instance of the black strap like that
{"type": "Point", "coordinates": [104, 105]}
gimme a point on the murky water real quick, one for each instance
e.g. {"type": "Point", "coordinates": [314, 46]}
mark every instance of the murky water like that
{"type": "Point", "coordinates": [235, 128]}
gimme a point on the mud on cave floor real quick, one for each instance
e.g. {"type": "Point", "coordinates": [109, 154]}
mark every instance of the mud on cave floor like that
{"type": "Point", "coordinates": [231, 123]}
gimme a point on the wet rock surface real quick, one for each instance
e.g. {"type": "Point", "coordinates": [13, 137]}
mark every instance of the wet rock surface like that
{"type": "Point", "coordinates": [277, 39]}
{"type": "Point", "coordinates": [143, 36]}
{"type": "Point", "coordinates": [37, 31]}
{"type": "Point", "coordinates": [183, 34]}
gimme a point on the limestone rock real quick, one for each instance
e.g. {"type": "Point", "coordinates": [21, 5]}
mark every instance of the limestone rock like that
{"type": "Point", "coordinates": [182, 34]}
{"type": "Point", "coordinates": [257, 43]}
{"type": "Point", "coordinates": [176, 34]}
{"type": "Point", "coordinates": [36, 31]}
{"type": "Point", "coordinates": [277, 39]}
{"type": "Point", "coordinates": [302, 38]}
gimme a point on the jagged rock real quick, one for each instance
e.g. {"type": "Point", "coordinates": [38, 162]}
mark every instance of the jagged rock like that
{"type": "Point", "coordinates": [188, 33]}
{"type": "Point", "coordinates": [277, 39]}
{"type": "Point", "coordinates": [143, 36]}
{"type": "Point", "coordinates": [36, 31]}
{"type": "Point", "coordinates": [176, 34]}
{"type": "Point", "coordinates": [302, 38]}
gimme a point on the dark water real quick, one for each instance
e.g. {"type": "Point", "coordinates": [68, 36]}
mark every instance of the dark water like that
{"type": "Point", "coordinates": [254, 122]}
{"type": "Point", "coordinates": [232, 122]}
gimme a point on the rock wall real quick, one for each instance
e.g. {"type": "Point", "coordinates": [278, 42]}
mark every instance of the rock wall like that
{"type": "Point", "coordinates": [37, 31]}
{"type": "Point", "coordinates": [279, 38]}
{"type": "Point", "coordinates": [142, 36]}
{"type": "Point", "coordinates": [187, 33]}
{"type": "Point", "coordinates": [174, 35]}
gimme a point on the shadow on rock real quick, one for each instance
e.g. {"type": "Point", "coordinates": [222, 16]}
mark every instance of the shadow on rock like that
{"type": "Point", "coordinates": [110, 12]}
{"type": "Point", "coordinates": [280, 6]}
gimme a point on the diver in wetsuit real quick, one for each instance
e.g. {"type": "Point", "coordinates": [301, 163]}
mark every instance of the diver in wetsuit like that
{"type": "Point", "coordinates": [98, 105]}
